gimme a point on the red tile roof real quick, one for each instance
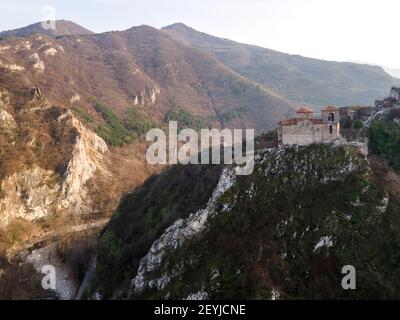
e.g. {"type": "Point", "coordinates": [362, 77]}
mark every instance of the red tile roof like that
{"type": "Point", "coordinates": [305, 110]}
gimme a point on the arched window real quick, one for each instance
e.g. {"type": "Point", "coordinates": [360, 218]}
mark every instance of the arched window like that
{"type": "Point", "coordinates": [331, 117]}
{"type": "Point", "coordinates": [330, 129]}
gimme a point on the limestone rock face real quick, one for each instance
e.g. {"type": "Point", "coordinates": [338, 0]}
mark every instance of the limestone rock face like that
{"type": "Point", "coordinates": [30, 194]}
{"type": "Point", "coordinates": [36, 93]}
{"type": "Point", "coordinates": [175, 236]}
{"type": "Point", "coordinates": [395, 94]}
{"type": "Point", "coordinates": [4, 99]}
{"type": "Point", "coordinates": [6, 120]}
{"type": "Point", "coordinates": [11, 66]}
{"type": "Point", "coordinates": [34, 191]}
{"type": "Point", "coordinates": [75, 98]}
{"type": "Point", "coordinates": [147, 96]}
{"type": "Point", "coordinates": [393, 100]}
{"type": "Point", "coordinates": [37, 63]}
{"type": "Point", "coordinates": [87, 157]}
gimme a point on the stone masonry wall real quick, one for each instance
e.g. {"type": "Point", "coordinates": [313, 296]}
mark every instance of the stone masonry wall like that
{"type": "Point", "coordinates": [306, 132]}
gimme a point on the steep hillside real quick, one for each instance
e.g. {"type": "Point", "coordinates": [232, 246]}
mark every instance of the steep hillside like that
{"type": "Point", "coordinates": [144, 215]}
{"type": "Point", "coordinates": [285, 231]}
{"type": "Point", "coordinates": [74, 110]}
{"type": "Point", "coordinates": [305, 80]}
{"type": "Point", "coordinates": [143, 68]}
{"type": "Point", "coordinates": [55, 174]}
{"type": "Point", "coordinates": [62, 27]}
{"type": "Point", "coordinates": [384, 135]}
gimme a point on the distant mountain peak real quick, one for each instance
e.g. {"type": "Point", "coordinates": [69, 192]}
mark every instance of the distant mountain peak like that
{"type": "Point", "coordinates": [63, 27]}
{"type": "Point", "coordinates": [177, 25]}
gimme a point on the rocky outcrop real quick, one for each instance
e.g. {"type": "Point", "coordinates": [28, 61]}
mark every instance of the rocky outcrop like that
{"type": "Point", "coordinates": [314, 166]}
{"type": "Point", "coordinates": [180, 232]}
{"type": "Point", "coordinates": [87, 157]}
{"type": "Point", "coordinates": [29, 195]}
{"type": "Point", "coordinates": [34, 192]}
{"type": "Point", "coordinates": [36, 93]}
{"type": "Point", "coordinates": [11, 66]}
{"type": "Point", "coordinates": [395, 94]}
{"type": "Point", "coordinates": [6, 119]}
{"type": "Point", "coordinates": [37, 64]}
{"type": "Point", "coordinates": [4, 98]}
{"type": "Point", "coordinates": [75, 98]}
{"type": "Point", "coordinates": [181, 264]}
{"type": "Point", "coordinates": [392, 101]}
{"type": "Point", "coordinates": [147, 96]}
{"type": "Point", "coordinates": [50, 52]}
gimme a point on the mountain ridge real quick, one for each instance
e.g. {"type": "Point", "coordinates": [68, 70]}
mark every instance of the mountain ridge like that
{"type": "Point", "coordinates": [304, 80]}
{"type": "Point", "coordinates": [144, 68]}
{"type": "Point", "coordinates": [63, 27]}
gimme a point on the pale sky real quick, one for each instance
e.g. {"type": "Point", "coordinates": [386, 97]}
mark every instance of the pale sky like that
{"type": "Point", "coordinates": [341, 30]}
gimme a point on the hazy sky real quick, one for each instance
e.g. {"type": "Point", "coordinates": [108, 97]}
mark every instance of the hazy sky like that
{"type": "Point", "coordinates": [343, 30]}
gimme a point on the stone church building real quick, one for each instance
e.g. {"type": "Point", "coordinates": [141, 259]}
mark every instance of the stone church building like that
{"type": "Point", "coordinates": [305, 129]}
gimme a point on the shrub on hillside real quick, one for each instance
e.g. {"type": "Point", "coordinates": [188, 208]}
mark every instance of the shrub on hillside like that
{"type": "Point", "coordinates": [184, 118]}
{"type": "Point", "coordinates": [117, 132]}
{"type": "Point", "coordinates": [385, 141]}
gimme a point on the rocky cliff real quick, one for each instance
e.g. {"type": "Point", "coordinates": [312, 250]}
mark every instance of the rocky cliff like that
{"type": "Point", "coordinates": [45, 169]}
{"type": "Point", "coordinates": [285, 231]}
{"type": "Point", "coordinates": [55, 173]}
